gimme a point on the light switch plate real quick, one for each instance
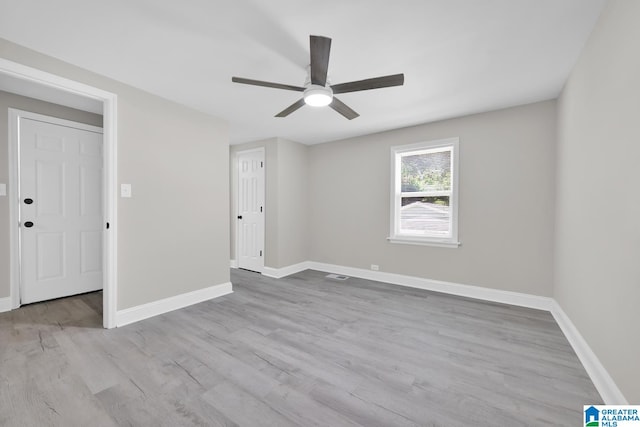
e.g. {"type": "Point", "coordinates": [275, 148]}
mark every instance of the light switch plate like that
{"type": "Point", "coordinates": [3, 189]}
{"type": "Point", "coordinates": [125, 190]}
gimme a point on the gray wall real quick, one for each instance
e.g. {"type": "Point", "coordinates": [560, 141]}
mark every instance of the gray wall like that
{"type": "Point", "coordinates": [286, 200]}
{"type": "Point", "coordinates": [10, 100]}
{"type": "Point", "coordinates": [169, 242]}
{"type": "Point", "coordinates": [293, 202]}
{"type": "Point", "coordinates": [597, 275]}
{"type": "Point", "coordinates": [507, 176]}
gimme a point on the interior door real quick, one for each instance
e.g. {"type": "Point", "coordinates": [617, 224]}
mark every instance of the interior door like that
{"type": "Point", "coordinates": [61, 213]}
{"type": "Point", "coordinates": [250, 236]}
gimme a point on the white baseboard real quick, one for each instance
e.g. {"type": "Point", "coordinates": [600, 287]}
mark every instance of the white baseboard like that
{"type": "Point", "coordinates": [605, 385]}
{"type": "Point", "coordinates": [279, 273]}
{"type": "Point", "coordinates": [477, 292]}
{"type": "Point", "coordinates": [233, 263]}
{"type": "Point", "coordinates": [6, 304]}
{"type": "Point", "coordinates": [144, 311]}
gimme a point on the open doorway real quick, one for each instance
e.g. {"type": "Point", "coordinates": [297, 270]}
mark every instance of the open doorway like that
{"type": "Point", "coordinates": [17, 78]}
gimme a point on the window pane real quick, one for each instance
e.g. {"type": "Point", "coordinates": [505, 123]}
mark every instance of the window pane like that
{"type": "Point", "coordinates": [425, 215]}
{"type": "Point", "coordinates": [426, 171]}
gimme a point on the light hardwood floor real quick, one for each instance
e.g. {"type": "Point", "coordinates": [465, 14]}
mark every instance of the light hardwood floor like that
{"type": "Point", "coordinates": [301, 351]}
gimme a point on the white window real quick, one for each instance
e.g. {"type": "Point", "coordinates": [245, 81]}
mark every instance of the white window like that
{"type": "Point", "coordinates": [424, 193]}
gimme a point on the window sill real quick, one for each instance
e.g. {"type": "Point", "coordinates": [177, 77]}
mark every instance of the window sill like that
{"type": "Point", "coordinates": [423, 242]}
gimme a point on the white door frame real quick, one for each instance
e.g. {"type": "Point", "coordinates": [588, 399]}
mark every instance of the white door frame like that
{"type": "Point", "coordinates": [109, 245]}
{"type": "Point", "coordinates": [236, 201]}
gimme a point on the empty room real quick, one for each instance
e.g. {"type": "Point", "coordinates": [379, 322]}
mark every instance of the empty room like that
{"type": "Point", "coordinates": [344, 213]}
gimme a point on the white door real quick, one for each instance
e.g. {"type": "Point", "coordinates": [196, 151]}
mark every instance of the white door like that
{"type": "Point", "coordinates": [61, 218]}
{"type": "Point", "coordinates": [250, 237]}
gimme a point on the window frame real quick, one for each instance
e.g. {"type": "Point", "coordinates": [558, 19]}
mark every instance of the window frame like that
{"type": "Point", "coordinates": [451, 241]}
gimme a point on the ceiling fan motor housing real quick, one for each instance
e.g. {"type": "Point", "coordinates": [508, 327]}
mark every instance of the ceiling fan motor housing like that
{"type": "Point", "coordinates": [318, 96]}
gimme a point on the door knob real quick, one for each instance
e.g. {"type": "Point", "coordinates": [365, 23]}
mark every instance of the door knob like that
{"type": "Point", "coordinates": [239, 216]}
{"type": "Point", "coordinates": [28, 201]}
{"type": "Point", "coordinates": [28, 224]}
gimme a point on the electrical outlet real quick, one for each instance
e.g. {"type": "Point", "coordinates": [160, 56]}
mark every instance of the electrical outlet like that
{"type": "Point", "coordinates": [375, 267]}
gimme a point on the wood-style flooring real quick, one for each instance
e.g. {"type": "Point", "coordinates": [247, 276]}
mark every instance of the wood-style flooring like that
{"type": "Point", "coordinates": [299, 351]}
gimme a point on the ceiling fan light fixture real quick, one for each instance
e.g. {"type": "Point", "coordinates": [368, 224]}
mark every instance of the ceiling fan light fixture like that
{"type": "Point", "coordinates": [317, 90]}
{"type": "Point", "coordinates": [318, 96]}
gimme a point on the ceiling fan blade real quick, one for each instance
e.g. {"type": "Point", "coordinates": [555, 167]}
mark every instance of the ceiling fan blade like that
{"type": "Point", "coordinates": [320, 48]}
{"type": "Point", "coordinates": [266, 84]}
{"type": "Point", "coordinates": [374, 83]}
{"type": "Point", "coordinates": [291, 108]}
{"type": "Point", "coordinates": [343, 109]}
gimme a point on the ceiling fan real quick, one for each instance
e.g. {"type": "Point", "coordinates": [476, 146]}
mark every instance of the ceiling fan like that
{"type": "Point", "coordinates": [316, 91]}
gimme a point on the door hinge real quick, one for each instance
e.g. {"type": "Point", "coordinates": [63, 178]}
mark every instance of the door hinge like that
{"type": "Point", "coordinates": [107, 226]}
{"type": "Point", "coordinates": [261, 164]}
{"type": "Point", "coordinates": [260, 253]}
{"type": "Point", "coordinates": [260, 208]}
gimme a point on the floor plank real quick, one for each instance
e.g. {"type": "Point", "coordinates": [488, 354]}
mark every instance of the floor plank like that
{"type": "Point", "coordinates": [299, 351]}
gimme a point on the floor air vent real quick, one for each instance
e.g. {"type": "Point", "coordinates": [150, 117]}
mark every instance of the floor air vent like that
{"type": "Point", "coordinates": [336, 277]}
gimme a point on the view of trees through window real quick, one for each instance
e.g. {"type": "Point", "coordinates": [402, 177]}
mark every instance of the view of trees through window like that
{"type": "Point", "coordinates": [426, 192]}
{"type": "Point", "coordinates": [426, 172]}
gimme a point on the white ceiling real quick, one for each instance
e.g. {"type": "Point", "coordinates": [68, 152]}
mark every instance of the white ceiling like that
{"type": "Point", "coordinates": [458, 56]}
